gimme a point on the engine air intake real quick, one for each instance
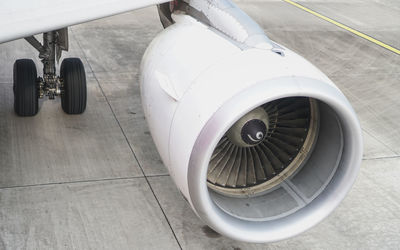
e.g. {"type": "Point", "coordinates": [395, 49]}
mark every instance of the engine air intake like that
{"type": "Point", "coordinates": [244, 169]}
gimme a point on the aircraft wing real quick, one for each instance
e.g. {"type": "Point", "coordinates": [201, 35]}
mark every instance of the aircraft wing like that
{"type": "Point", "coordinates": [22, 18]}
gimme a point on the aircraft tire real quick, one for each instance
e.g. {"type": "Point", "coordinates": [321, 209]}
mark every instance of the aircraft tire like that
{"type": "Point", "coordinates": [25, 88]}
{"type": "Point", "coordinates": [74, 95]}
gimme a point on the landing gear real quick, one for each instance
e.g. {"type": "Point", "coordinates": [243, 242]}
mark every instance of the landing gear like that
{"type": "Point", "coordinates": [70, 85]}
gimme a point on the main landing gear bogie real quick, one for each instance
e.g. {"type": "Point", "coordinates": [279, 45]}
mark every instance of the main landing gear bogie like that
{"type": "Point", "coordinates": [28, 88]}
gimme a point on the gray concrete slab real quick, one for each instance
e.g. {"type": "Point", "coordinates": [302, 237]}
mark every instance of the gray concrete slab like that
{"type": "Point", "coordinates": [54, 147]}
{"type": "Point", "coordinates": [373, 148]}
{"type": "Point", "coordinates": [114, 48]}
{"type": "Point", "coordinates": [191, 232]}
{"type": "Point", "coordinates": [367, 73]}
{"type": "Point", "coordinates": [117, 44]}
{"type": "Point", "coordinates": [119, 214]}
{"type": "Point", "coordinates": [111, 143]}
{"type": "Point", "coordinates": [375, 98]}
{"type": "Point", "coordinates": [123, 93]}
{"type": "Point", "coordinates": [335, 51]}
{"type": "Point", "coordinates": [369, 218]}
{"type": "Point", "coordinates": [379, 19]}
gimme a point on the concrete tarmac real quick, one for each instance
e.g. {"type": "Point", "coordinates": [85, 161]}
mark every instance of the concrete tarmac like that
{"type": "Point", "coordinates": [95, 181]}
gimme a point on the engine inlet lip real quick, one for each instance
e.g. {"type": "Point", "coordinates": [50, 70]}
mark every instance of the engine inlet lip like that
{"type": "Point", "coordinates": [317, 209]}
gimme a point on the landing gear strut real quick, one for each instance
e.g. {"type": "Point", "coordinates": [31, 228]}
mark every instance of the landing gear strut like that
{"type": "Point", "coordinates": [70, 85]}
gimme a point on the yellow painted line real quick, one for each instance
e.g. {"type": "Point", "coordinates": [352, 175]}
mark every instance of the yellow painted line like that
{"type": "Point", "coordinates": [358, 33]}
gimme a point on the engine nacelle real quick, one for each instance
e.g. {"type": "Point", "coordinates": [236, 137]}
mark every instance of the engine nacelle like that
{"type": "Point", "coordinates": [259, 141]}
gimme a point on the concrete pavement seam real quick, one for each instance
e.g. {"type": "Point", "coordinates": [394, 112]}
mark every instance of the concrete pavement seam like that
{"type": "Point", "coordinates": [129, 144]}
{"type": "Point", "coordinates": [77, 181]}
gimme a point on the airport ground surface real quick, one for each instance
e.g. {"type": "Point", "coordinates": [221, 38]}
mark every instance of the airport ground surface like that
{"type": "Point", "coordinates": [95, 181]}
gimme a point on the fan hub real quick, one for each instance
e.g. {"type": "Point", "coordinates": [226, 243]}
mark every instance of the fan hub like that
{"type": "Point", "coordinates": [254, 132]}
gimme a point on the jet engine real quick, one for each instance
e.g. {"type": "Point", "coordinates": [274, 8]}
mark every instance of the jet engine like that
{"type": "Point", "coordinates": [260, 142]}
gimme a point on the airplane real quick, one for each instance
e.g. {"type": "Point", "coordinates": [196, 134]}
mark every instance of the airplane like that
{"type": "Point", "coordinates": [262, 145]}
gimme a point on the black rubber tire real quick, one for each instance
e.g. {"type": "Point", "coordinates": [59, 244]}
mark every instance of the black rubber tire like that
{"type": "Point", "coordinates": [25, 87]}
{"type": "Point", "coordinates": [74, 95]}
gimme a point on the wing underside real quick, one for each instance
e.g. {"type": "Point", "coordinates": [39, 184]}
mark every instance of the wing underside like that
{"type": "Point", "coordinates": [22, 18]}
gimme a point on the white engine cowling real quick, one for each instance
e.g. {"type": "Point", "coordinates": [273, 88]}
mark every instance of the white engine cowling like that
{"type": "Point", "coordinates": [261, 143]}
